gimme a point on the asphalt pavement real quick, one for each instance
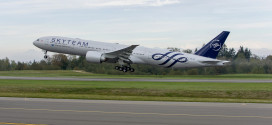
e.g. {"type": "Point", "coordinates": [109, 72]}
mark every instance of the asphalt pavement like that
{"type": "Point", "coordinates": [26, 111]}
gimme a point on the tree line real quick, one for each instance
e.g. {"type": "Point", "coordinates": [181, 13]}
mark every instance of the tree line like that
{"type": "Point", "coordinates": [242, 61]}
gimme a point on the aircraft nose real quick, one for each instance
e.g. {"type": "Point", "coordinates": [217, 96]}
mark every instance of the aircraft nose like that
{"type": "Point", "coordinates": [36, 42]}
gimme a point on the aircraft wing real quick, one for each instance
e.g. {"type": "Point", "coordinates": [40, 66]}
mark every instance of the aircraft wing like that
{"type": "Point", "coordinates": [122, 54]}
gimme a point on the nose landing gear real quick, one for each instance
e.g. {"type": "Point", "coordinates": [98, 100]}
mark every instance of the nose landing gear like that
{"type": "Point", "coordinates": [45, 56]}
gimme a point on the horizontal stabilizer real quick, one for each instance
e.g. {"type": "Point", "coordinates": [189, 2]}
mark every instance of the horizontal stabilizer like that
{"type": "Point", "coordinates": [219, 62]}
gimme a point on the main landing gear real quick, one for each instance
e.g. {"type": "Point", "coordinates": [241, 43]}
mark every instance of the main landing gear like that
{"type": "Point", "coordinates": [45, 56]}
{"type": "Point", "coordinates": [124, 68]}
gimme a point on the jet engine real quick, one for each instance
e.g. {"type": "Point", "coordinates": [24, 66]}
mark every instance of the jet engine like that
{"type": "Point", "coordinates": [95, 57]}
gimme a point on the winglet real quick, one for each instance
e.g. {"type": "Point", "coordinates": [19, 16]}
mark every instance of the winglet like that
{"type": "Point", "coordinates": [212, 48]}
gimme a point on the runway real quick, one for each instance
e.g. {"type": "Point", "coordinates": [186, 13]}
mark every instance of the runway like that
{"type": "Point", "coordinates": [142, 79]}
{"type": "Point", "coordinates": [34, 111]}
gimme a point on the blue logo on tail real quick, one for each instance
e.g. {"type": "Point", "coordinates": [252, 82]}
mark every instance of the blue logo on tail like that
{"type": "Point", "coordinates": [215, 45]}
{"type": "Point", "coordinates": [161, 56]}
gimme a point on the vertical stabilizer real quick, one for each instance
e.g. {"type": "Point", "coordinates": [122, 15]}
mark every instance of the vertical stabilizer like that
{"type": "Point", "coordinates": [212, 48]}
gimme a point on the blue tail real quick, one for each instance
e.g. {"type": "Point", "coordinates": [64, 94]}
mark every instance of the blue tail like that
{"type": "Point", "coordinates": [212, 48]}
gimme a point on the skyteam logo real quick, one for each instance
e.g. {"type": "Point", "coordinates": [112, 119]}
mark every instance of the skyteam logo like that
{"type": "Point", "coordinates": [159, 56]}
{"type": "Point", "coordinates": [215, 45]}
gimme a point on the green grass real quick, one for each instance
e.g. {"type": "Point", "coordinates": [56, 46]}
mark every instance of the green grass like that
{"type": "Point", "coordinates": [155, 91]}
{"type": "Point", "coordinates": [72, 73]}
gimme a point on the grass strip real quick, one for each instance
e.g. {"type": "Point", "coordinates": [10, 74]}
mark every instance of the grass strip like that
{"type": "Point", "coordinates": [82, 74]}
{"type": "Point", "coordinates": [151, 91]}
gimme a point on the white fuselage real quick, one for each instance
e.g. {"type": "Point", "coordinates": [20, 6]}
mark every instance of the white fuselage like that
{"type": "Point", "coordinates": [140, 55]}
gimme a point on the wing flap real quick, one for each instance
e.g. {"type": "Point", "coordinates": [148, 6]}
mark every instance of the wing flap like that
{"type": "Point", "coordinates": [124, 51]}
{"type": "Point", "coordinates": [122, 54]}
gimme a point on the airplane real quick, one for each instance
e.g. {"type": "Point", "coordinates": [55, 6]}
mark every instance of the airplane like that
{"type": "Point", "coordinates": [125, 55]}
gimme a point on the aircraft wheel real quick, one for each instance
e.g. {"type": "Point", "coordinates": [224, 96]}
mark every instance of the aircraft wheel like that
{"type": "Point", "coordinates": [45, 56]}
{"type": "Point", "coordinates": [125, 70]}
{"type": "Point", "coordinates": [120, 68]}
{"type": "Point", "coordinates": [117, 67]}
{"type": "Point", "coordinates": [132, 69]}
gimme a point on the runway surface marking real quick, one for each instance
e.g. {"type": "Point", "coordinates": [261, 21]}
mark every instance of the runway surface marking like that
{"type": "Point", "coordinates": [135, 113]}
{"type": "Point", "coordinates": [6, 123]}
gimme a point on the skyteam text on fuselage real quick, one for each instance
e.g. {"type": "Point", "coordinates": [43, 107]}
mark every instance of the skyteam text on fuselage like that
{"type": "Point", "coordinates": [124, 55]}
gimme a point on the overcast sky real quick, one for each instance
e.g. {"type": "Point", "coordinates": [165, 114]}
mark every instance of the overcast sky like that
{"type": "Point", "coordinates": [184, 24]}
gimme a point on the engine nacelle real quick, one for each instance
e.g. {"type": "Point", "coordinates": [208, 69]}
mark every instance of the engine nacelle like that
{"type": "Point", "coordinates": [95, 57]}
